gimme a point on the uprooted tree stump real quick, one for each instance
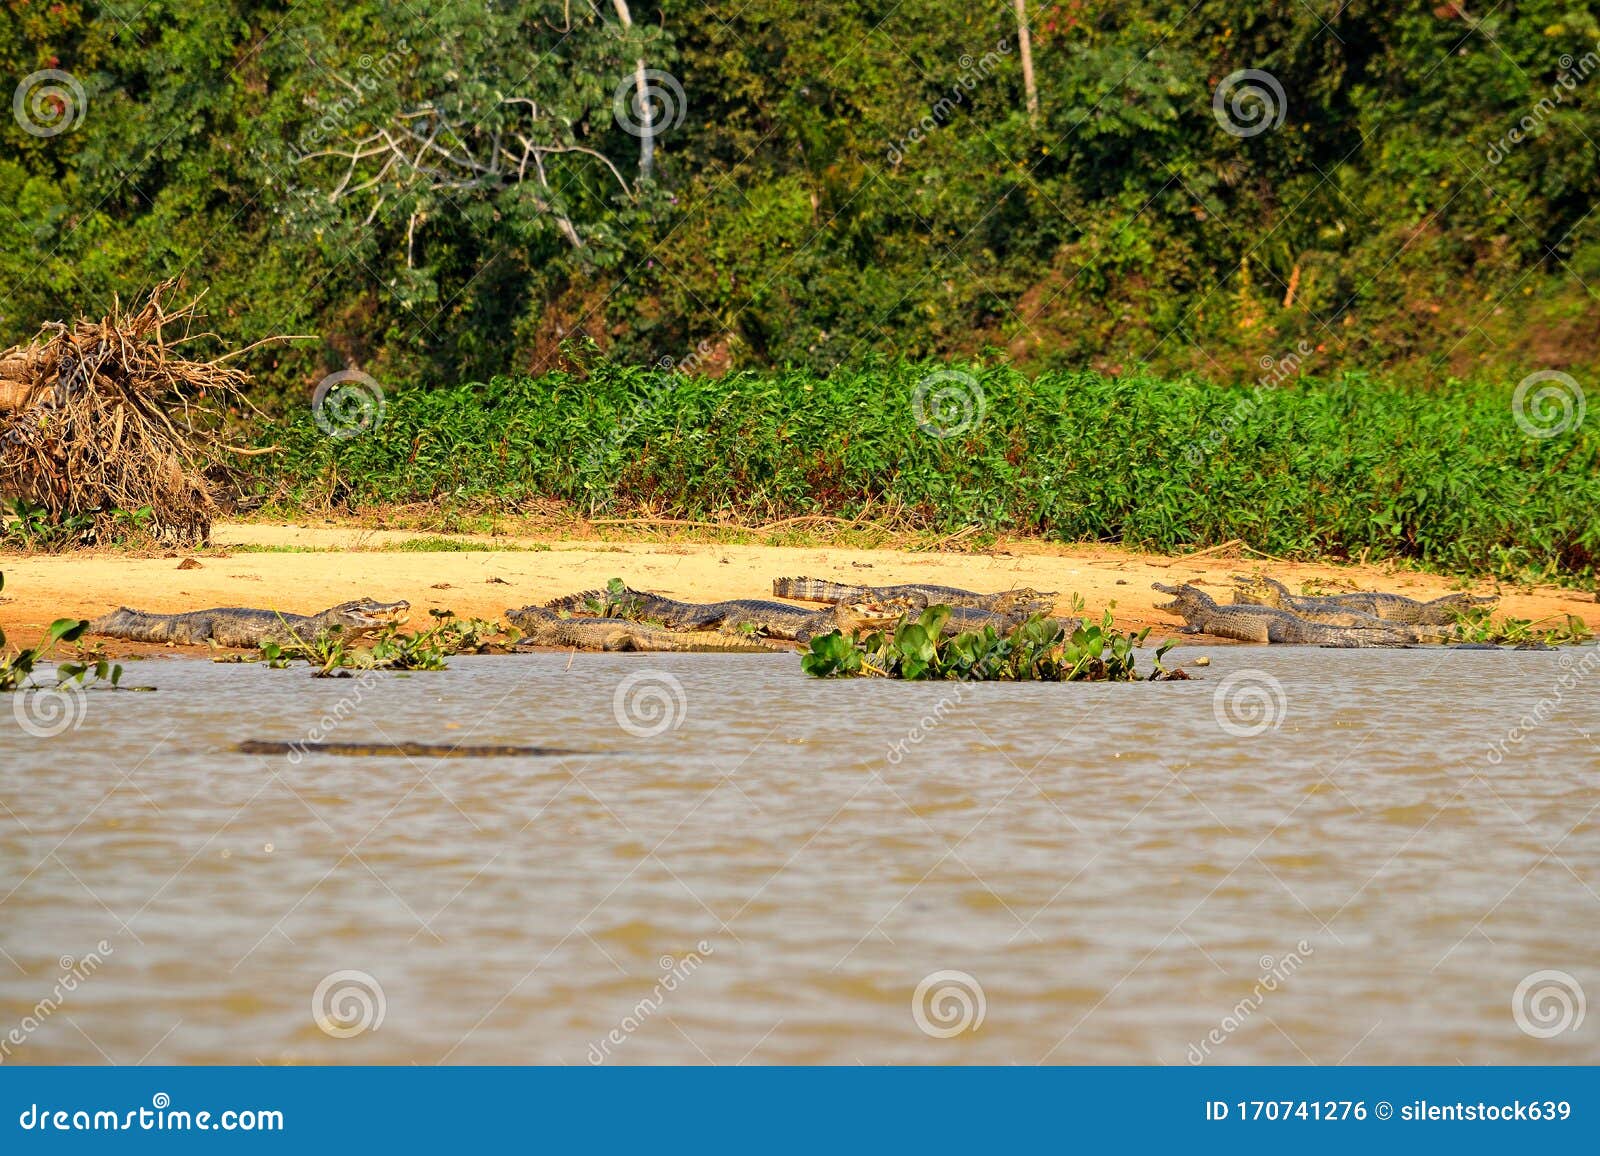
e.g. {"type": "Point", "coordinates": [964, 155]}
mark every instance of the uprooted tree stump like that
{"type": "Point", "coordinates": [109, 431]}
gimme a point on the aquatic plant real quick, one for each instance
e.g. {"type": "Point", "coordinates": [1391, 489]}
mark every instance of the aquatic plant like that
{"type": "Point", "coordinates": [1039, 650]}
{"type": "Point", "coordinates": [1479, 625]}
{"type": "Point", "coordinates": [334, 655]}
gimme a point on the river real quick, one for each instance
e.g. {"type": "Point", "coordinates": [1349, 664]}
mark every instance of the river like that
{"type": "Point", "coordinates": [1304, 855]}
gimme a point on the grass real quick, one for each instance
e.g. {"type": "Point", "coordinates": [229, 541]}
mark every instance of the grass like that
{"type": "Point", "coordinates": [428, 545]}
{"type": "Point", "coordinates": [1320, 469]}
{"type": "Point", "coordinates": [437, 545]}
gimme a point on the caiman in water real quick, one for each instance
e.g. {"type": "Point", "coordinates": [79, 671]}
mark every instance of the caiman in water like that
{"type": "Point", "coordinates": [1248, 623]}
{"type": "Point", "coordinates": [1263, 591]}
{"type": "Point", "coordinates": [1020, 602]}
{"type": "Point", "coordinates": [542, 627]}
{"type": "Point", "coordinates": [245, 627]}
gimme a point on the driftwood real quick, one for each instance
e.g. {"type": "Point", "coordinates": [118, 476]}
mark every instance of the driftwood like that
{"type": "Point", "coordinates": [100, 420]}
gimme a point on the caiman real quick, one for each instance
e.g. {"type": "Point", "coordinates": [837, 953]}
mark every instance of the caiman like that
{"type": "Point", "coordinates": [1263, 591]}
{"type": "Point", "coordinates": [774, 619]}
{"type": "Point", "coordinates": [542, 627]}
{"type": "Point", "coordinates": [247, 628]}
{"type": "Point", "coordinates": [1249, 623]}
{"type": "Point", "coordinates": [766, 617]}
{"type": "Point", "coordinates": [1020, 602]}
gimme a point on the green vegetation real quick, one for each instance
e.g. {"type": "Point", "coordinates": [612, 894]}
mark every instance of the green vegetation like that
{"type": "Point", "coordinates": [1337, 469]}
{"type": "Point", "coordinates": [334, 656]}
{"type": "Point", "coordinates": [434, 544]}
{"type": "Point", "coordinates": [1037, 651]}
{"type": "Point", "coordinates": [837, 178]}
{"type": "Point", "coordinates": [1480, 626]}
{"type": "Point", "coordinates": [26, 526]}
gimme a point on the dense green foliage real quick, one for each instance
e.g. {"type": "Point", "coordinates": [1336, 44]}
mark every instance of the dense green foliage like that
{"type": "Point", "coordinates": [1336, 468]}
{"type": "Point", "coordinates": [1039, 650]}
{"type": "Point", "coordinates": [849, 177]}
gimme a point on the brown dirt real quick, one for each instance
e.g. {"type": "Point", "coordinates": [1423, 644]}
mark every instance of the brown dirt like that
{"type": "Point", "coordinates": [350, 563]}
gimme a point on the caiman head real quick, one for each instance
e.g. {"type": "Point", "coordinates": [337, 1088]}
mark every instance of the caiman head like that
{"type": "Point", "coordinates": [1468, 601]}
{"type": "Point", "coordinates": [1259, 590]}
{"type": "Point", "coordinates": [1186, 599]}
{"type": "Point", "coordinates": [856, 618]}
{"type": "Point", "coordinates": [364, 615]}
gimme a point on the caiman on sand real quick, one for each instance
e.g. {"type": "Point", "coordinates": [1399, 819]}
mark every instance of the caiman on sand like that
{"type": "Point", "coordinates": [1246, 623]}
{"type": "Point", "coordinates": [246, 628]}
{"type": "Point", "coordinates": [1263, 591]}
{"type": "Point", "coordinates": [542, 627]}
{"type": "Point", "coordinates": [1020, 602]}
{"type": "Point", "coordinates": [774, 619]}
{"type": "Point", "coordinates": [793, 623]}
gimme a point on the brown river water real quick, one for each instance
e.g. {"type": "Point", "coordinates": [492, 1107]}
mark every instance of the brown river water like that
{"type": "Point", "coordinates": [1303, 856]}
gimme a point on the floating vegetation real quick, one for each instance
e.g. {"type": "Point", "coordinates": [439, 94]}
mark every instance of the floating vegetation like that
{"type": "Point", "coordinates": [335, 656]}
{"type": "Point", "coordinates": [1474, 626]}
{"type": "Point", "coordinates": [1040, 650]}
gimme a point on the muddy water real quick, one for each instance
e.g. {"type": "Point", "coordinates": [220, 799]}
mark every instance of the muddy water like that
{"type": "Point", "coordinates": [1309, 855]}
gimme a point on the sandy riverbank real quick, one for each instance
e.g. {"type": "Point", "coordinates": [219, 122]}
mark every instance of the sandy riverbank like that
{"type": "Point", "coordinates": [322, 565]}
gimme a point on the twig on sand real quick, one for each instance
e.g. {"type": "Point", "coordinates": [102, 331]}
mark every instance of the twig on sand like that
{"type": "Point", "coordinates": [1217, 549]}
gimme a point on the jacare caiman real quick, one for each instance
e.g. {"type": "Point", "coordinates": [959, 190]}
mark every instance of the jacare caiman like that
{"type": "Point", "coordinates": [245, 627]}
{"type": "Point", "coordinates": [1263, 591]}
{"type": "Point", "coordinates": [542, 627]}
{"type": "Point", "coordinates": [1020, 602]}
{"type": "Point", "coordinates": [774, 619]}
{"type": "Point", "coordinates": [1250, 623]}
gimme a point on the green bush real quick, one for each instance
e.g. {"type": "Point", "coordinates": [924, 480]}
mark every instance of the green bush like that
{"type": "Point", "coordinates": [1322, 469]}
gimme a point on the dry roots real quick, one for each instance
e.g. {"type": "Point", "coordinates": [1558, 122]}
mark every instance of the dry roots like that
{"type": "Point", "coordinates": [102, 417]}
